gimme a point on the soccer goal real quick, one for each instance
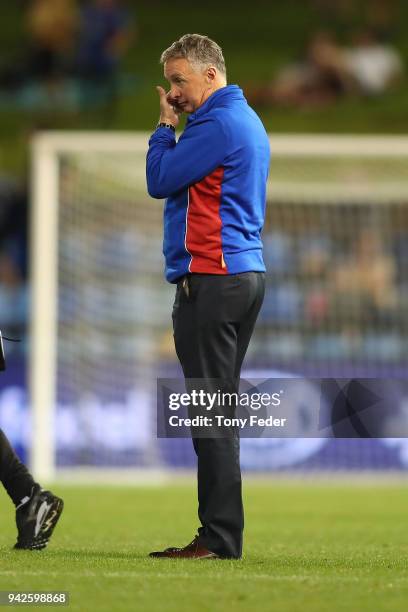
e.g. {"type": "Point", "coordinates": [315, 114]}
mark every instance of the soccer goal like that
{"type": "Point", "coordinates": [336, 249]}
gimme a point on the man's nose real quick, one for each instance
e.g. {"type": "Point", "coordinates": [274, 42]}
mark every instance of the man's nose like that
{"type": "Point", "coordinates": [174, 93]}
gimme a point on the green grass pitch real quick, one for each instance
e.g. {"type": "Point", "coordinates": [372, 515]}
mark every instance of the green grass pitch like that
{"type": "Point", "coordinates": [308, 547]}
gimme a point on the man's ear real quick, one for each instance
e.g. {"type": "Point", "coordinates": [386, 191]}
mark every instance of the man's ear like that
{"type": "Point", "coordinates": [211, 74]}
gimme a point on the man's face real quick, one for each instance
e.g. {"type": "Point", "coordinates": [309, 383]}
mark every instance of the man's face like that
{"type": "Point", "coordinates": [188, 88]}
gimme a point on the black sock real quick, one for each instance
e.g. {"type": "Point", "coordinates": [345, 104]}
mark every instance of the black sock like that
{"type": "Point", "coordinates": [14, 475]}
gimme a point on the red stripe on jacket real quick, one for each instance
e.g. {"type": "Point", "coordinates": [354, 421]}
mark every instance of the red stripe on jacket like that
{"type": "Point", "coordinates": [203, 225]}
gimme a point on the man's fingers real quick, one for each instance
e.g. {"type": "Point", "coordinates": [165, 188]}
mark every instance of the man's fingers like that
{"type": "Point", "coordinates": [167, 111]}
{"type": "Point", "coordinates": [161, 91]}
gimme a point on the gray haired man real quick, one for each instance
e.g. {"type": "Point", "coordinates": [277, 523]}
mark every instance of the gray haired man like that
{"type": "Point", "coordinates": [214, 181]}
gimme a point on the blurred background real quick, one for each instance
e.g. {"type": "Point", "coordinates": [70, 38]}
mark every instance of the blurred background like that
{"type": "Point", "coordinates": [335, 238]}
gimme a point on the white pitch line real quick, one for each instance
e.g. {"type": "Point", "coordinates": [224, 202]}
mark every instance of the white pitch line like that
{"type": "Point", "coordinates": [232, 576]}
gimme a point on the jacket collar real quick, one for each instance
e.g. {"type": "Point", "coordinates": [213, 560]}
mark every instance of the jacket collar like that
{"type": "Point", "coordinates": [220, 97]}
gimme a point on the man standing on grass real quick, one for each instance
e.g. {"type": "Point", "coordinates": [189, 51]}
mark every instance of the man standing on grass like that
{"type": "Point", "coordinates": [214, 178]}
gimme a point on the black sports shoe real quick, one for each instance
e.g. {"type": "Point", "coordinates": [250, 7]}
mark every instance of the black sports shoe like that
{"type": "Point", "coordinates": [36, 519]}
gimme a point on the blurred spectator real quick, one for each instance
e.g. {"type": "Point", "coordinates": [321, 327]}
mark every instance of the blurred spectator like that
{"type": "Point", "coordinates": [278, 252]}
{"type": "Point", "coordinates": [329, 72]}
{"type": "Point", "coordinates": [364, 284]}
{"type": "Point", "coordinates": [282, 304]}
{"type": "Point", "coordinates": [75, 51]}
{"type": "Point", "coordinates": [105, 35]}
{"type": "Point", "coordinates": [316, 303]}
{"type": "Point", "coordinates": [317, 80]}
{"type": "Point", "coordinates": [314, 255]}
{"type": "Point", "coordinates": [52, 25]}
{"type": "Point", "coordinates": [374, 66]}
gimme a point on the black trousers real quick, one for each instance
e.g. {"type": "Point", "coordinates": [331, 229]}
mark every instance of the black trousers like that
{"type": "Point", "coordinates": [14, 475]}
{"type": "Point", "coordinates": [213, 320]}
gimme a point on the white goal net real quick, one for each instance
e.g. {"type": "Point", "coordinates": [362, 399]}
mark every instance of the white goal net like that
{"type": "Point", "coordinates": [336, 249]}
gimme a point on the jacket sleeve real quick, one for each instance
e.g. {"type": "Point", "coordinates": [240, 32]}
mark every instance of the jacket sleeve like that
{"type": "Point", "coordinates": [173, 166]}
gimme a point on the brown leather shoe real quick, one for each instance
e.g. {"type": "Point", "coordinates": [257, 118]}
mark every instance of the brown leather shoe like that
{"type": "Point", "coordinates": [194, 550]}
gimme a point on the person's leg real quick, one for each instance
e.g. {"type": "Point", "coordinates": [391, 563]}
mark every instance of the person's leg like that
{"type": "Point", "coordinates": [247, 325]}
{"type": "Point", "coordinates": [37, 511]}
{"type": "Point", "coordinates": [14, 475]}
{"type": "Point", "coordinates": [212, 327]}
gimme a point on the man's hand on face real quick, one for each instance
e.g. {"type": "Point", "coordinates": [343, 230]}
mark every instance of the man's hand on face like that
{"type": "Point", "coordinates": [169, 112]}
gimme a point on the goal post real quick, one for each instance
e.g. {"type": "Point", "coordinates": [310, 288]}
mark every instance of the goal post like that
{"type": "Point", "coordinates": [46, 151]}
{"type": "Point", "coordinates": [44, 279]}
{"type": "Point", "coordinates": [100, 308]}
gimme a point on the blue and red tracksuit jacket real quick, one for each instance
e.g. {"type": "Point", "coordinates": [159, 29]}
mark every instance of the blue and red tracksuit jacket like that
{"type": "Point", "coordinates": [214, 179]}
